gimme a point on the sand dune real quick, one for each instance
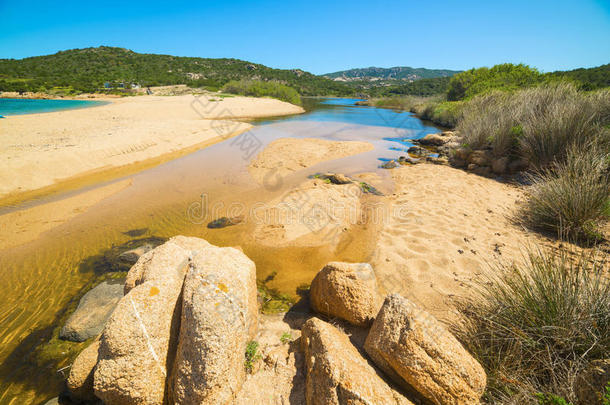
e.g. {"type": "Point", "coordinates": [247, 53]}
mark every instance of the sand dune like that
{"type": "Point", "coordinates": [38, 150]}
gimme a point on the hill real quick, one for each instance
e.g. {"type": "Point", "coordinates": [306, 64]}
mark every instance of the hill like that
{"type": "Point", "coordinates": [90, 69]}
{"type": "Point", "coordinates": [588, 78]}
{"type": "Point", "coordinates": [393, 73]}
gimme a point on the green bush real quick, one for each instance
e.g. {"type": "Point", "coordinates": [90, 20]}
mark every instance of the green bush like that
{"type": "Point", "coordinates": [536, 325]}
{"type": "Point", "coordinates": [500, 77]}
{"type": "Point", "coordinates": [252, 355]}
{"type": "Point", "coordinates": [571, 198]}
{"type": "Point", "coordinates": [258, 88]}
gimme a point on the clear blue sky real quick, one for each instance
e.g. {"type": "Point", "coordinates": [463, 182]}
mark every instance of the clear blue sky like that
{"type": "Point", "coordinates": [322, 36]}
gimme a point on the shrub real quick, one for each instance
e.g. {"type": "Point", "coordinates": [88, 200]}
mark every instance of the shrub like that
{"type": "Point", "coordinates": [258, 88]}
{"type": "Point", "coordinates": [556, 117]}
{"type": "Point", "coordinates": [535, 326]}
{"type": "Point", "coordinates": [539, 124]}
{"type": "Point", "coordinates": [571, 198]}
{"type": "Point", "coordinates": [506, 76]}
{"type": "Point", "coordinates": [252, 355]}
{"type": "Point", "coordinates": [492, 121]}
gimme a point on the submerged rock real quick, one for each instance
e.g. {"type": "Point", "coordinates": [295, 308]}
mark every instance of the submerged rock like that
{"type": "Point", "coordinates": [413, 348]}
{"type": "Point", "coordinates": [338, 178]}
{"type": "Point", "coordinates": [389, 165]}
{"type": "Point", "coordinates": [130, 257]}
{"type": "Point", "coordinates": [346, 290]}
{"type": "Point", "coordinates": [93, 311]}
{"type": "Point", "coordinates": [223, 222]}
{"type": "Point", "coordinates": [337, 373]}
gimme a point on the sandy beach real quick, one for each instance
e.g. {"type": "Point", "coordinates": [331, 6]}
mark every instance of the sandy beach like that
{"type": "Point", "coordinates": [38, 150]}
{"type": "Point", "coordinates": [446, 228]}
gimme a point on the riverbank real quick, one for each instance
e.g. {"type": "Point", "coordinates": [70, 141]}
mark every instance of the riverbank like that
{"type": "Point", "coordinates": [40, 150]}
{"type": "Point", "coordinates": [435, 109]}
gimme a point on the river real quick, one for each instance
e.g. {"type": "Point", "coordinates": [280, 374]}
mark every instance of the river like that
{"type": "Point", "coordinates": [43, 279]}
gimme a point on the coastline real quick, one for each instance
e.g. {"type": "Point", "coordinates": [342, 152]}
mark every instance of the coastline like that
{"type": "Point", "coordinates": [47, 153]}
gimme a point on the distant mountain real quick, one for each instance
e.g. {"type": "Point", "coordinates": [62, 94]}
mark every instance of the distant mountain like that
{"type": "Point", "coordinates": [90, 69]}
{"type": "Point", "coordinates": [394, 73]}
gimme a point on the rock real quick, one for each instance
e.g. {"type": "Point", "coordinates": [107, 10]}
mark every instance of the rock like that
{"type": "Point", "coordinates": [498, 166]}
{"type": "Point", "coordinates": [389, 165]}
{"type": "Point", "coordinates": [123, 256]}
{"type": "Point", "coordinates": [590, 384]}
{"type": "Point", "coordinates": [484, 171]}
{"type": "Point", "coordinates": [412, 347]}
{"type": "Point", "coordinates": [449, 133]}
{"type": "Point", "coordinates": [219, 316]}
{"type": "Point", "coordinates": [462, 154]}
{"type": "Point", "coordinates": [131, 256]}
{"type": "Point", "coordinates": [437, 160]}
{"type": "Point", "coordinates": [52, 401]}
{"type": "Point", "coordinates": [337, 373]}
{"type": "Point", "coordinates": [518, 165]}
{"type": "Point", "coordinates": [347, 291]}
{"type": "Point", "coordinates": [433, 140]}
{"type": "Point", "coordinates": [480, 158]}
{"type": "Point", "coordinates": [151, 266]}
{"type": "Point", "coordinates": [407, 160]}
{"type": "Point", "coordinates": [80, 380]}
{"type": "Point", "coordinates": [138, 344]}
{"type": "Point", "coordinates": [225, 221]}
{"type": "Point", "coordinates": [93, 311]}
{"type": "Point", "coordinates": [417, 151]}
{"type": "Point", "coordinates": [338, 178]}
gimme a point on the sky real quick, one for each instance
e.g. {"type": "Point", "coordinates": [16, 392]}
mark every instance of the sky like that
{"type": "Point", "coordinates": [322, 36]}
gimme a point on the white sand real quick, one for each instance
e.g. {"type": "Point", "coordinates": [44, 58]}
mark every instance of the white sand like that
{"type": "Point", "coordinates": [37, 150]}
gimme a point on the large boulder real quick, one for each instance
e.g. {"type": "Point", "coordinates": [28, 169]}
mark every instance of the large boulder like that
{"type": "Point", "coordinates": [93, 311]}
{"type": "Point", "coordinates": [219, 316]}
{"type": "Point", "coordinates": [337, 373]}
{"type": "Point", "coordinates": [161, 258]}
{"type": "Point", "coordinates": [348, 291]}
{"type": "Point", "coordinates": [413, 348]}
{"type": "Point", "coordinates": [138, 343]}
{"type": "Point", "coordinates": [80, 380]}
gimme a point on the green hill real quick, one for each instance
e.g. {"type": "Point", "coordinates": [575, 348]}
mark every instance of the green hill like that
{"type": "Point", "coordinates": [393, 73]}
{"type": "Point", "coordinates": [87, 70]}
{"type": "Point", "coordinates": [588, 78]}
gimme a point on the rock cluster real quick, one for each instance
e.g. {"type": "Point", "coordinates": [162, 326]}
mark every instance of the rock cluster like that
{"type": "Point", "coordinates": [482, 162]}
{"type": "Point", "coordinates": [180, 332]}
{"type": "Point", "coordinates": [409, 345]}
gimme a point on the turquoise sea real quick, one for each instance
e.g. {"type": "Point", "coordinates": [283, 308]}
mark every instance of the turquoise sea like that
{"type": "Point", "coordinates": [14, 106]}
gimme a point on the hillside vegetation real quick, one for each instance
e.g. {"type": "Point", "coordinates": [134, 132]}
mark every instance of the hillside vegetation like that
{"type": "Point", "coordinates": [398, 72]}
{"type": "Point", "coordinates": [87, 70]}
{"type": "Point", "coordinates": [257, 88]}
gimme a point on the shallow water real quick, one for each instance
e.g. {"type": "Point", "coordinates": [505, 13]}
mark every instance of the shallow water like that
{"type": "Point", "coordinates": [43, 278]}
{"type": "Point", "coordinates": [17, 106]}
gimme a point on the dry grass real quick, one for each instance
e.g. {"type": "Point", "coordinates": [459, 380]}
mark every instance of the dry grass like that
{"type": "Point", "coordinates": [540, 124]}
{"type": "Point", "coordinates": [535, 327]}
{"type": "Point", "coordinates": [571, 198]}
